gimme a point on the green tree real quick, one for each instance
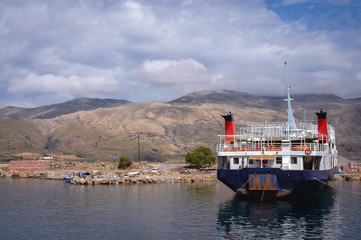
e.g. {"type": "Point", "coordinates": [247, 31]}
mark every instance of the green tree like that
{"type": "Point", "coordinates": [124, 162]}
{"type": "Point", "coordinates": [201, 157]}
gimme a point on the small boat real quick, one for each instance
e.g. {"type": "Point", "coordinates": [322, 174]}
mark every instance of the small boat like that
{"type": "Point", "coordinates": [68, 179]}
{"type": "Point", "coordinates": [277, 159]}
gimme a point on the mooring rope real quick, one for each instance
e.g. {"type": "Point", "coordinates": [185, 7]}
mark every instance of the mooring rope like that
{"type": "Point", "coordinates": [264, 189]}
{"type": "Point", "coordinates": [335, 187]}
{"type": "Point", "coordinates": [234, 194]}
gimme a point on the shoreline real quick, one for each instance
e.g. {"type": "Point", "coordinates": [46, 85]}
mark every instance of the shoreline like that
{"type": "Point", "coordinates": [95, 173]}
{"type": "Point", "coordinates": [107, 173]}
{"type": "Point", "coordinates": [161, 177]}
{"type": "Point", "coordinates": [110, 178]}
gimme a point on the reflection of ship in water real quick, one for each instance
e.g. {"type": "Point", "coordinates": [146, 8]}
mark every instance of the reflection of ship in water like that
{"type": "Point", "coordinates": [297, 218]}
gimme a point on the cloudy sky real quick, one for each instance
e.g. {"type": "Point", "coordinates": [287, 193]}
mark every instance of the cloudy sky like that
{"type": "Point", "coordinates": [53, 51]}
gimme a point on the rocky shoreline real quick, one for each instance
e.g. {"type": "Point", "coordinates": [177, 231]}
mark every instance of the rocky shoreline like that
{"type": "Point", "coordinates": [111, 178]}
{"type": "Point", "coordinates": [347, 177]}
{"type": "Point", "coordinates": [107, 173]}
{"type": "Point", "coordinates": [145, 179]}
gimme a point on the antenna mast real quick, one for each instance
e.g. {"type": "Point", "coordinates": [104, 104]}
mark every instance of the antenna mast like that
{"type": "Point", "coordinates": [304, 115]}
{"type": "Point", "coordinates": [291, 120]}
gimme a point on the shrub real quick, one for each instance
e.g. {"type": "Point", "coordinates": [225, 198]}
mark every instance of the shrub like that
{"type": "Point", "coordinates": [124, 162]}
{"type": "Point", "coordinates": [201, 157]}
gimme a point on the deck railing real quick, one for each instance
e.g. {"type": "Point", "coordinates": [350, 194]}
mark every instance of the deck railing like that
{"type": "Point", "coordinates": [257, 146]}
{"type": "Point", "coordinates": [277, 130]}
{"type": "Point", "coordinates": [267, 137]}
{"type": "Point", "coordinates": [281, 130]}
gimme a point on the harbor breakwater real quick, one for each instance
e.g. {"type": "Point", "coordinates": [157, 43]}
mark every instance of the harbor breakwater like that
{"type": "Point", "coordinates": [109, 179]}
{"type": "Point", "coordinates": [85, 173]}
{"type": "Point", "coordinates": [145, 179]}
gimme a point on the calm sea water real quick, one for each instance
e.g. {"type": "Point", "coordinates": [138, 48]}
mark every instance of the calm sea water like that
{"type": "Point", "coordinates": [43, 209]}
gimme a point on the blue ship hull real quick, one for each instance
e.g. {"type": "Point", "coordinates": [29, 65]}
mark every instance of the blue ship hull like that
{"type": "Point", "coordinates": [274, 182]}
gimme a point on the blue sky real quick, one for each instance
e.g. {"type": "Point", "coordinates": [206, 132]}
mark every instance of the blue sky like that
{"type": "Point", "coordinates": [54, 51]}
{"type": "Point", "coordinates": [319, 15]}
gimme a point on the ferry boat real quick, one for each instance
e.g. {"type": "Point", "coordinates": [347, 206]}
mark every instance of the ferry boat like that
{"type": "Point", "coordinates": [277, 159]}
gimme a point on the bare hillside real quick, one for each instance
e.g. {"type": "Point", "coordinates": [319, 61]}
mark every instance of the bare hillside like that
{"type": "Point", "coordinates": [55, 110]}
{"type": "Point", "coordinates": [167, 131]}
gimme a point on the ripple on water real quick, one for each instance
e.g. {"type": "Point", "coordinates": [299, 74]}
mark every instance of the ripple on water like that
{"type": "Point", "coordinates": [40, 209]}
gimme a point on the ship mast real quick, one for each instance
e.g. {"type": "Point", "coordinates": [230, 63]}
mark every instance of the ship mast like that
{"type": "Point", "coordinates": [304, 115]}
{"type": "Point", "coordinates": [291, 120]}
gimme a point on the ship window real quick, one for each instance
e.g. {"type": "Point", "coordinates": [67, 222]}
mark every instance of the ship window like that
{"type": "Point", "coordinates": [235, 160]}
{"type": "Point", "coordinates": [279, 160]}
{"type": "Point", "coordinates": [251, 161]}
{"type": "Point", "coordinates": [293, 160]}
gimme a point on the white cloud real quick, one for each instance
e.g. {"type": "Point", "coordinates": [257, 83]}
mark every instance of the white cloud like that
{"type": "Point", "coordinates": [114, 48]}
{"type": "Point", "coordinates": [170, 72]}
{"type": "Point", "coordinates": [358, 76]}
{"type": "Point", "coordinates": [72, 85]}
{"type": "Point", "coordinates": [135, 10]}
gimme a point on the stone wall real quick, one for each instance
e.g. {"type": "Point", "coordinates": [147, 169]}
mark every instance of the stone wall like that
{"type": "Point", "coordinates": [29, 166]}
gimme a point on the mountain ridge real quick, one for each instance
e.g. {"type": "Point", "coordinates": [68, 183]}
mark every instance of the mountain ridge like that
{"type": "Point", "coordinates": [55, 110]}
{"type": "Point", "coordinates": [168, 130]}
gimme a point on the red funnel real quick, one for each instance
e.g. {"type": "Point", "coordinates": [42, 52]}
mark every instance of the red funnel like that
{"type": "Point", "coordinates": [322, 125]}
{"type": "Point", "coordinates": [230, 128]}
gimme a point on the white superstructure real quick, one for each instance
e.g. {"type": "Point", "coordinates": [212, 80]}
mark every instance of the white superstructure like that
{"type": "Point", "coordinates": [285, 145]}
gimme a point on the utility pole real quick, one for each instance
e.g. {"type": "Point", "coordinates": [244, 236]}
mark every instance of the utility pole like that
{"type": "Point", "coordinates": [138, 150]}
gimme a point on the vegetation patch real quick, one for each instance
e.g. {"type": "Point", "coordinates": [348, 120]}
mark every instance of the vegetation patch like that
{"type": "Point", "coordinates": [8, 158]}
{"type": "Point", "coordinates": [201, 157]}
{"type": "Point", "coordinates": [124, 162]}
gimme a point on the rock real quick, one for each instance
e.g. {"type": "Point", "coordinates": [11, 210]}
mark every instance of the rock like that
{"type": "Point", "coordinates": [15, 174]}
{"type": "Point", "coordinates": [30, 175]}
{"type": "Point", "coordinates": [356, 177]}
{"type": "Point", "coordinates": [75, 180]}
{"type": "Point", "coordinates": [105, 181]}
{"type": "Point", "coordinates": [2, 174]}
{"type": "Point", "coordinates": [142, 180]}
{"type": "Point", "coordinates": [337, 177]}
{"type": "Point", "coordinates": [40, 174]}
{"type": "Point", "coordinates": [348, 178]}
{"type": "Point", "coordinates": [96, 181]}
{"type": "Point", "coordinates": [52, 175]}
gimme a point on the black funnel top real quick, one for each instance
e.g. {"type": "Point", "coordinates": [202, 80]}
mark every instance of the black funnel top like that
{"type": "Point", "coordinates": [321, 114]}
{"type": "Point", "coordinates": [228, 117]}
